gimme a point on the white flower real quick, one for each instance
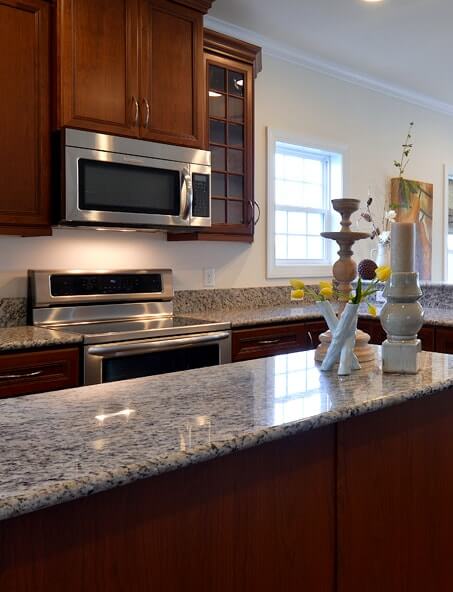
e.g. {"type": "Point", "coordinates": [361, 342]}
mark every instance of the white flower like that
{"type": "Point", "coordinates": [390, 215]}
{"type": "Point", "coordinates": [384, 237]}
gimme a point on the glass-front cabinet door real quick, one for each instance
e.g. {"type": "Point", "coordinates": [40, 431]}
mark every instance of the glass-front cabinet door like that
{"type": "Point", "coordinates": [230, 69]}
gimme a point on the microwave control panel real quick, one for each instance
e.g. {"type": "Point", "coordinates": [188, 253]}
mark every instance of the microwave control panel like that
{"type": "Point", "coordinates": [200, 202]}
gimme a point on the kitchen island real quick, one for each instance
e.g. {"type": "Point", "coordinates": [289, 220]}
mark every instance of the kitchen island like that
{"type": "Point", "coordinates": [260, 475]}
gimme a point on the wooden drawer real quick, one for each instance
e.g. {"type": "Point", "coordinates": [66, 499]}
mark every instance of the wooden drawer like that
{"type": "Point", "coordinates": [39, 371]}
{"type": "Point", "coordinates": [249, 344]}
{"type": "Point", "coordinates": [444, 340]}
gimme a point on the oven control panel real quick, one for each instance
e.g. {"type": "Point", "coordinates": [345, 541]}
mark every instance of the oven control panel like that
{"type": "Point", "coordinates": [104, 284]}
{"type": "Point", "coordinates": [200, 202]}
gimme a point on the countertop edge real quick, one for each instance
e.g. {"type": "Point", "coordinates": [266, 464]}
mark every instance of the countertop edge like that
{"type": "Point", "coordinates": [160, 465]}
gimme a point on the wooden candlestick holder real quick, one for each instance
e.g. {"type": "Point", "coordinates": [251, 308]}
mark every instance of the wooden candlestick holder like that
{"type": "Point", "coordinates": [345, 272]}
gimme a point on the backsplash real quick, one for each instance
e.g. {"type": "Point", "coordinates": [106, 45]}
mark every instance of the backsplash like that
{"type": "Point", "coordinates": [13, 311]}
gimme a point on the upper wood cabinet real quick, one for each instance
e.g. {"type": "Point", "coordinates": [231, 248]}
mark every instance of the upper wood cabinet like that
{"type": "Point", "coordinates": [230, 69]}
{"type": "Point", "coordinates": [24, 117]}
{"type": "Point", "coordinates": [133, 68]}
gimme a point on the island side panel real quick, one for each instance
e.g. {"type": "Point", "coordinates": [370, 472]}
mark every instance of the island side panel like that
{"type": "Point", "coordinates": [260, 519]}
{"type": "Point", "coordinates": [395, 498]}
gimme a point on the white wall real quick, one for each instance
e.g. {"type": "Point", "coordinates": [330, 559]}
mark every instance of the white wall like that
{"type": "Point", "coordinates": [288, 98]}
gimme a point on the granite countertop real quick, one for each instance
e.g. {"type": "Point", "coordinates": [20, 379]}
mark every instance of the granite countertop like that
{"type": "Point", "coordinates": [292, 312]}
{"type": "Point", "coordinates": [61, 446]}
{"type": "Point", "coordinates": [26, 337]}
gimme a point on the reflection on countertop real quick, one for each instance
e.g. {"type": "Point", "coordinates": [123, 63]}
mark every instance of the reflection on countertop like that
{"type": "Point", "coordinates": [61, 446]}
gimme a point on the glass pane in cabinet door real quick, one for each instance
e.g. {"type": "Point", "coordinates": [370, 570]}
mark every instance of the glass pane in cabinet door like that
{"type": "Point", "coordinates": [235, 135]}
{"type": "Point", "coordinates": [217, 104]}
{"type": "Point", "coordinates": [235, 186]}
{"type": "Point", "coordinates": [218, 211]}
{"type": "Point", "coordinates": [236, 83]}
{"type": "Point", "coordinates": [218, 159]}
{"type": "Point", "coordinates": [218, 185]}
{"type": "Point", "coordinates": [235, 109]}
{"type": "Point", "coordinates": [217, 131]}
{"type": "Point", "coordinates": [217, 78]}
{"type": "Point", "coordinates": [235, 212]}
{"type": "Point", "coordinates": [235, 161]}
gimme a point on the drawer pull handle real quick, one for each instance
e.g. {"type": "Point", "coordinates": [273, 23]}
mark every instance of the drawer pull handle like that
{"type": "Point", "coordinates": [24, 375]}
{"type": "Point", "coordinates": [268, 341]}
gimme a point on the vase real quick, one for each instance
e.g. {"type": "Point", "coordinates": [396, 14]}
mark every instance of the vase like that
{"type": "Point", "coordinates": [381, 255]}
{"type": "Point", "coordinates": [341, 349]}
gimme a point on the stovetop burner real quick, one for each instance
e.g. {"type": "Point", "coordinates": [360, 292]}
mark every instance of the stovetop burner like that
{"type": "Point", "coordinates": [129, 329]}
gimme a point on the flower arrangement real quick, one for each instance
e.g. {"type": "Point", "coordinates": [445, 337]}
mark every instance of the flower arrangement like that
{"type": "Point", "coordinates": [328, 292]}
{"type": "Point", "coordinates": [382, 232]}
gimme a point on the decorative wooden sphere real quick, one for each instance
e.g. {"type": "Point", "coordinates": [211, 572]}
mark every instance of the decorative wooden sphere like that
{"type": "Point", "coordinates": [367, 269]}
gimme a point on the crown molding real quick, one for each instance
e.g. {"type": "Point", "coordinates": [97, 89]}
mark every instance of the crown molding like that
{"type": "Point", "coordinates": [227, 46]}
{"type": "Point", "coordinates": [200, 5]}
{"type": "Point", "coordinates": [303, 59]}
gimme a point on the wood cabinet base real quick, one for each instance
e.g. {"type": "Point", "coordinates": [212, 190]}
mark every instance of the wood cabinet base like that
{"type": "Point", "coordinates": [363, 505]}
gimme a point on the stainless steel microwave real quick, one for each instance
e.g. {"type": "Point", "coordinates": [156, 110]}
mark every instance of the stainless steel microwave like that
{"type": "Point", "coordinates": [112, 181]}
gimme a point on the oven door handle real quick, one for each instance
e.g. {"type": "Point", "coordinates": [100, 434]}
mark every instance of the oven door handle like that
{"type": "Point", "coordinates": [132, 348]}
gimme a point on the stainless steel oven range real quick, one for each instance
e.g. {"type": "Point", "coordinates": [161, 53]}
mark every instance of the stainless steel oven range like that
{"type": "Point", "coordinates": [127, 322]}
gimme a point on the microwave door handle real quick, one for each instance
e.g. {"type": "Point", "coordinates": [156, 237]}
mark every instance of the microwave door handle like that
{"type": "Point", "coordinates": [133, 348]}
{"type": "Point", "coordinates": [187, 190]}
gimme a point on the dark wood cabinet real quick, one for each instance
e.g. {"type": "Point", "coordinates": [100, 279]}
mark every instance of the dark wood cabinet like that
{"type": "Point", "coordinates": [444, 340]}
{"type": "Point", "coordinates": [24, 117]}
{"type": "Point", "coordinates": [98, 65]}
{"type": "Point", "coordinates": [171, 73]}
{"type": "Point", "coordinates": [230, 69]}
{"type": "Point", "coordinates": [132, 68]}
{"type": "Point", "coordinates": [377, 334]}
{"type": "Point", "coordinates": [38, 371]}
{"type": "Point", "coordinates": [249, 344]}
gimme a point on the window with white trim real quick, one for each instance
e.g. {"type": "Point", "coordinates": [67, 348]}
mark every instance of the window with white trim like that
{"type": "Point", "coordinates": [302, 181]}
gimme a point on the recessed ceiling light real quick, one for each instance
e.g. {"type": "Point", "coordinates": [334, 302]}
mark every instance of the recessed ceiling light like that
{"type": "Point", "coordinates": [372, 0]}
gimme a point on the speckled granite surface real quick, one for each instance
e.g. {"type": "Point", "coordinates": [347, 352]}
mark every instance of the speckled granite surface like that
{"type": "Point", "coordinates": [16, 338]}
{"type": "Point", "coordinates": [87, 445]}
{"type": "Point", "coordinates": [293, 311]}
{"type": "Point", "coordinates": [13, 312]}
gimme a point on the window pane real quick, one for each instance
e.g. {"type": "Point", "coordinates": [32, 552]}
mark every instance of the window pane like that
{"type": "Point", "coordinates": [235, 161]}
{"type": "Point", "coordinates": [217, 131]}
{"type": "Point", "coordinates": [281, 245]}
{"type": "Point", "coordinates": [236, 83]}
{"type": "Point", "coordinates": [313, 171]}
{"type": "Point", "coordinates": [217, 105]}
{"type": "Point", "coordinates": [315, 223]}
{"type": "Point", "coordinates": [289, 167]}
{"type": "Point", "coordinates": [217, 78]}
{"type": "Point", "coordinates": [450, 267]}
{"type": "Point", "coordinates": [289, 193]}
{"type": "Point", "coordinates": [315, 248]}
{"type": "Point", "coordinates": [450, 242]}
{"type": "Point", "coordinates": [281, 222]}
{"type": "Point", "coordinates": [218, 184]}
{"type": "Point", "coordinates": [297, 248]}
{"type": "Point", "coordinates": [218, 158]}
{"type": "Point", "coordinates": [235, 109]}
{"type": "Point", "coordinates": [235, 186]}
{"type": "Point", "coordinates": [313, 196]}
{"type": "Point", "coordinates": [297, 223]}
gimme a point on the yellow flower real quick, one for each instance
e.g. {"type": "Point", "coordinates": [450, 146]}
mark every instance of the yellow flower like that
{"type": "Point", "coordinates": [327, 292]}
{"type": "Point", "coordinates": [383, 273]}
{"type": "Point", "coordinates": [372, 310]}
{"type": "Point", "coordinates": [297, 284]}
{"type": "Point", "coordinates": [324, 284]}
{"type": "Point", "coordinates": [297, 294]}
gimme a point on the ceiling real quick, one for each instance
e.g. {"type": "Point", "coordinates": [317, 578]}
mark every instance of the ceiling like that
{"type": "Point", "coordinates": [404, 43]}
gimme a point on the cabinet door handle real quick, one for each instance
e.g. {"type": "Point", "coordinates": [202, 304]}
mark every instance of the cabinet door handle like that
{"type": "Point", "coordinates": [310, 337]}
{"type": "Point", "coordinates": [23, 375]}
{"type": "Point", "coordinates": [147, 108]}
{"type": "Point", "coordinates": [254, 204]}
{"type": "Point", "coordinates": [268, 341]}
{"type": "Point", "coordinates": [137, 111]}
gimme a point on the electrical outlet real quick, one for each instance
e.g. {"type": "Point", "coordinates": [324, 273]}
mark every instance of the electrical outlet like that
{"type": "Point", "coordinates": [209, 277]}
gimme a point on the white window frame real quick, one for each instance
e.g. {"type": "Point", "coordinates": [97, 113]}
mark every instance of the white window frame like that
{"type": "Point", "coordinates": [315, 268]}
